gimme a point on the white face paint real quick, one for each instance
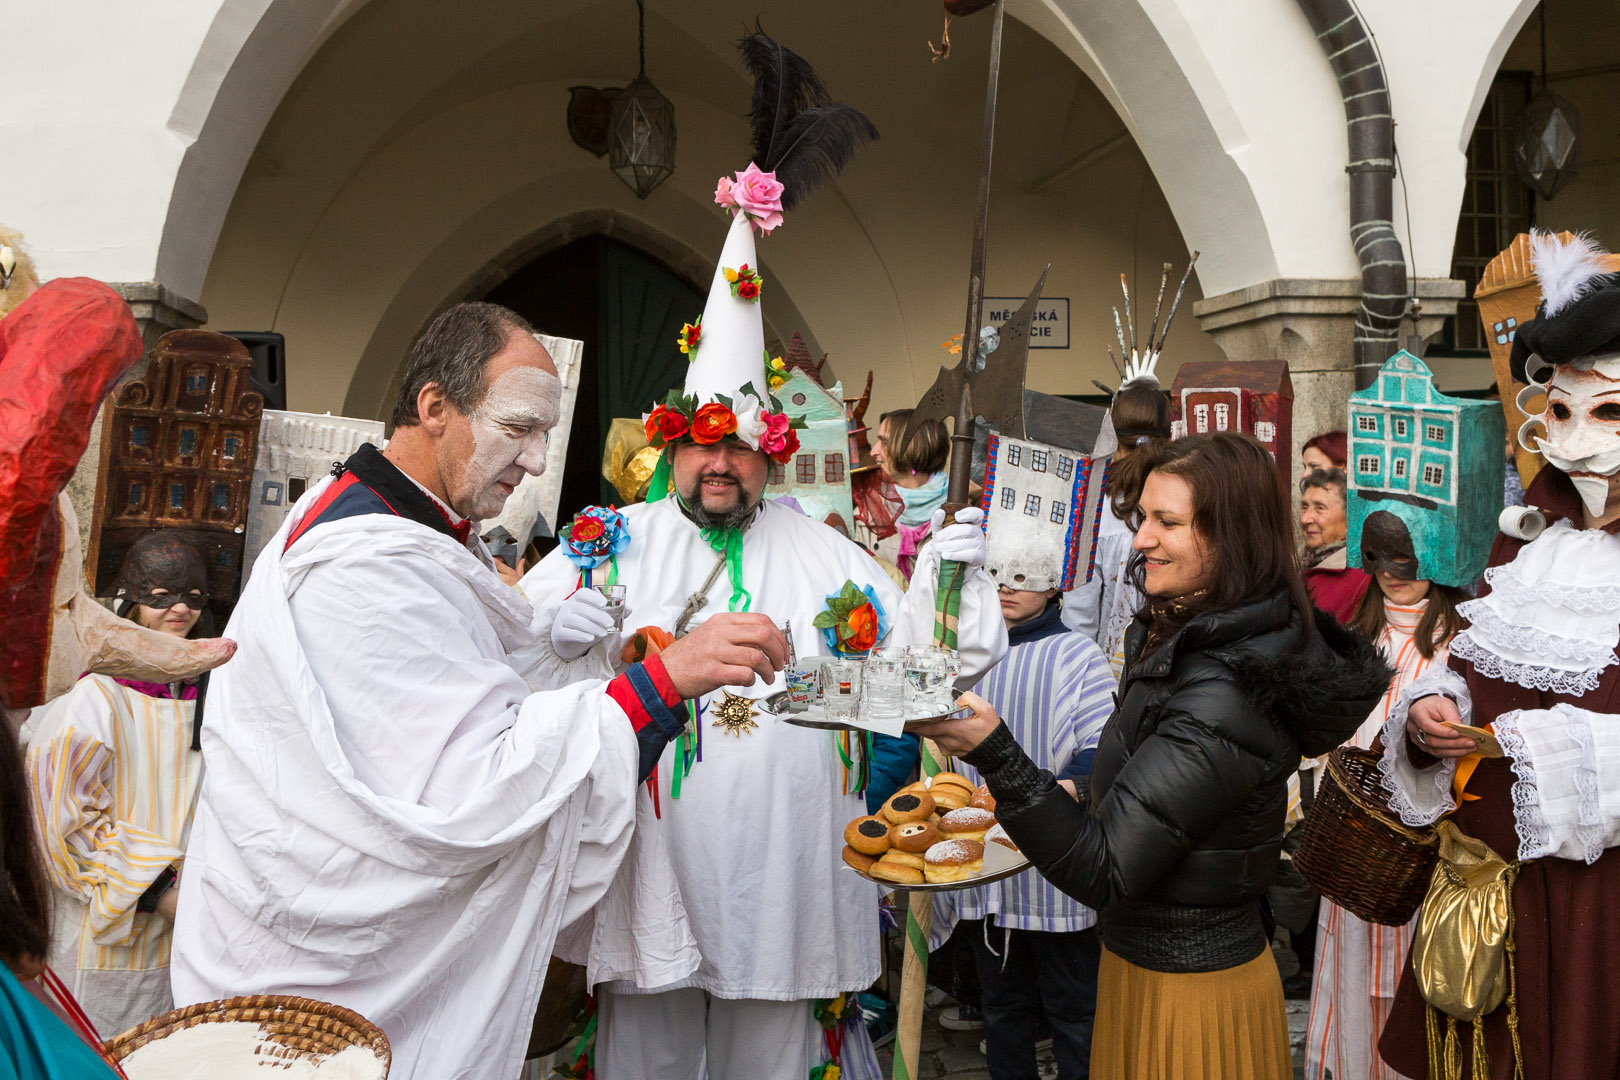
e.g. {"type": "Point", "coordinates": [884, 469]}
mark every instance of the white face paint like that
{"type": "Point", "coordinates": [510, 430]}
{"type": "Point", "coordinates": [1582, 423]}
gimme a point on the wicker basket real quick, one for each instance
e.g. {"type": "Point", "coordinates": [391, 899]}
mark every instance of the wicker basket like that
{"type": "Point", "coordinates": [1356, 852]}
{"type": "Point", "coordinates": [304, 1025]}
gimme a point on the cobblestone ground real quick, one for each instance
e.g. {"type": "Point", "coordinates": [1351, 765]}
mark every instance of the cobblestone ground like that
{"type": "Point", "coordinates": [955, 1054]}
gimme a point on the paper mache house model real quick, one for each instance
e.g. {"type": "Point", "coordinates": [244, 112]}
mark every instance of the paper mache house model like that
{"type": "Point", "coordinates": [295, 451]}
{"type": "Point", "coordinates": [818, 477]}
{"type": "Point", "coordinates": [1432, 460]}
{"type": "Point", "coordinates": [1255, 397]}
{"type": "Point", "coordinates": [179, 455]}
{"type": "Point", "coordinates": [1043, 494]}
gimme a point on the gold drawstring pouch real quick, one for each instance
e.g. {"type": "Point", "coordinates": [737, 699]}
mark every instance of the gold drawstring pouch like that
{"type": "Point", "coordinates": [1462, 950]}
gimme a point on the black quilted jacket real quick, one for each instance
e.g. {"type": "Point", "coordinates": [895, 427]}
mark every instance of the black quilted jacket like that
{"type": "Point", "coordinates": [1180, 831]}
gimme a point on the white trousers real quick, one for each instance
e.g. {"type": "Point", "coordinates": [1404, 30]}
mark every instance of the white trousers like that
{"type": "Point", "coordinates": [672, 1035]}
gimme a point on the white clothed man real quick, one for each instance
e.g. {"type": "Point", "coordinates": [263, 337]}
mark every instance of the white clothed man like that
{"type": "Point", "coordinates": [408, 794]}
{"type": "Point", "coordinates": [756, 835]}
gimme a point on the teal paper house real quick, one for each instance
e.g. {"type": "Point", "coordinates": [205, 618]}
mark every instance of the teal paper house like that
{"type": "Point", "coordinates": [1432, 460]}
{"type": "Point", "coordinates": [818, 476]}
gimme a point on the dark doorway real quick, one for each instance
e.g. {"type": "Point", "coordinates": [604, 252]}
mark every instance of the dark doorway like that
{"type": "Point", "coordinates": [627, 308]}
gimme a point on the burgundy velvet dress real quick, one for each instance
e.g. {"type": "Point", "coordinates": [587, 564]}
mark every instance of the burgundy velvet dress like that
{"type": "Point", "coordinates": [1567, 913]}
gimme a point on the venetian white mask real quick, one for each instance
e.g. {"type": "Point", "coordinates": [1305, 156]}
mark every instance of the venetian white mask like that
{"type": "Point", "coordinates": [1581, 424]}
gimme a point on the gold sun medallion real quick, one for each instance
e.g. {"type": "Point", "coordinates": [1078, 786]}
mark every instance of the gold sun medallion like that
{"type": "Point", "coordinates": [734, 715]}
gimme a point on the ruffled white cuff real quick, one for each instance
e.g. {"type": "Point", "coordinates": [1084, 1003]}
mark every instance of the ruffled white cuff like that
{"type": "Point", "coordinates": [1421, 796]}
{"type": "Point", "coordinates": [1566, 798]}
{"type": "Point", "coordinates": [543, 669]}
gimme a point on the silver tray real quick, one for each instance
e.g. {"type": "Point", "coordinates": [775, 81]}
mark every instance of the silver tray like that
{"type": "Point", "coordinates": [816, 716]}
{"type": "Point", "coordinates": [1007, 864]}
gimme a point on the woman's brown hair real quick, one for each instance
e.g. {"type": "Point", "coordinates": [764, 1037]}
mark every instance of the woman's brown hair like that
{"type": "Point", "coordinates": [925, 451]}
{"type": "Point", "coordinates": [1243, 513]}
{"type": "Point", "coordinates": [1439, 623]}
{"type": "Point", "coordinates": [1141, 416]}
{"type": "Point", "coordinates": [25, 898]}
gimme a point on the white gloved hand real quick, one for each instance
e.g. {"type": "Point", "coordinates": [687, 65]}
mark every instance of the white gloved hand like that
{"type": "Point", "coordinates": [582, 620]}
{"type": "Point", "coordinates": [963, 540]}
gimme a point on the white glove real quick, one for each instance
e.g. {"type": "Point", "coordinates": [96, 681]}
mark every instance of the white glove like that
{"type": "Point", "coordinates": [581, 621]}
{"type": "Point", "coordinates": [963, 541]}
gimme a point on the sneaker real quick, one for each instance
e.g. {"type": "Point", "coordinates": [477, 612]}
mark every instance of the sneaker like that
{"type": "Point", "coordinates": [961, 1018]}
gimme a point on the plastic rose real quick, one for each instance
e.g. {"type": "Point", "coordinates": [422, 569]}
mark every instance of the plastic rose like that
{"type": "Point", "coordinates": [750, 420]}
{"type": "Point", "coordinates": [777, 429]}
{"type": "Point", "coordinates": [722, 193]}
{"type": "Point", "coordinates": [596, 535]}
{"type": "Point", "coordinates": [863, 625]}
{"type": "Point", "coordinates": [712, 423]}
{"type": "Point", "coordinates": [664, 425]}
{"type": "Point", "coordinates": [790, 446]}
{"type": "Point", "coordinates": [759, 194]}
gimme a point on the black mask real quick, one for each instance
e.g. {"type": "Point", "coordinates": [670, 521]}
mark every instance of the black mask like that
{"type": "Point", "coordinates": [1386, 547]}
{"type": "Point", "coordinates": [163, 560]}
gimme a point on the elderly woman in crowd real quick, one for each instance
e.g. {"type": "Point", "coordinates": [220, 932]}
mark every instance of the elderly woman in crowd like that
{"type": "Point", "coordinates": [1334, 587]}
{"type": "Point", "coordinates": [115, 772]}
{"type": "Point", "coordinates": [1230, 677]}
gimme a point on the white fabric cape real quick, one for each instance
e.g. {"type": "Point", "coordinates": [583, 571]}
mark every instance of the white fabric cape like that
{"type": "Point", "coordinates": [395, 820]}
{"type": "Point", "coordinates": [757, 834]}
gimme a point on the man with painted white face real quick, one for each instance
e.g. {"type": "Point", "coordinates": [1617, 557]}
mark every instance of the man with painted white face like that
{"type": "Point", "coordinates": [408, 793]}
{"type": "Point", "coordinates": [1537, 665]}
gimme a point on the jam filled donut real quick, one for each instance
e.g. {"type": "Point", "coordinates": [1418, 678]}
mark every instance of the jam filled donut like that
{"type": "Point", "coordinates": [908, 806]}
{"type": "Point", "coordinates": [914, 836]}
{"type": "Point", "coordinates": [868, 835]}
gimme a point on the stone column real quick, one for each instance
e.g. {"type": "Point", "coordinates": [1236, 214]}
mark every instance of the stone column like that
{"type": "Point", "coordinates": [157, 309]}
{"type": "Point", "coordinates": [1310, 322]}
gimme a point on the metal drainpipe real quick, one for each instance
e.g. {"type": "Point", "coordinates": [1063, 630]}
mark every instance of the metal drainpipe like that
{"type": "Point", "coordinates": [1371, 125]}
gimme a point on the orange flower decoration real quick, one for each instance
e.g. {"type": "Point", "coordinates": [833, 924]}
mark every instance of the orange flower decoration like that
{"type": "Point", "coordinates": [712, 423]}
{"type": "Point", "coordinates": [863, 629]}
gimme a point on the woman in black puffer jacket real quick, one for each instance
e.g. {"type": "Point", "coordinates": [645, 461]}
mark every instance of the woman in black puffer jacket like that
{"type": "Point", "coordinates": [1231, 677]}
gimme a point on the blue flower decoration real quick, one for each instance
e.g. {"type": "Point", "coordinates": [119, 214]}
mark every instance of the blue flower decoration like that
{"type": "Point", "coordinates": [596, 534]}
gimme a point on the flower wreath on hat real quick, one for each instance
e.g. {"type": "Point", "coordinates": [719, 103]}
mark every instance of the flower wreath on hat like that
{"type": "Point", "coordinates": [745, 417]}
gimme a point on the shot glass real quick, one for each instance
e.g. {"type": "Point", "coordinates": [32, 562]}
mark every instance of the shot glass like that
{"type": "Point", "coordinates": [884, 684]}
{"type": "Point", "coordinates": [931, 672]}
{"type": "Point", "coordinates": [841, 688]}
{"type": "Point", "coordinates": [614, 595]}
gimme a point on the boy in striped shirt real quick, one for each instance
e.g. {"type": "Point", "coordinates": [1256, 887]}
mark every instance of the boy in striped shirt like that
{"type": "Point", "coordinates": [1036, 948]}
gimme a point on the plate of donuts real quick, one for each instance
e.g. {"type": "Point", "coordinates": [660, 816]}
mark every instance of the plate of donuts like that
{"type": "Point", "coordinates": [933, 836]}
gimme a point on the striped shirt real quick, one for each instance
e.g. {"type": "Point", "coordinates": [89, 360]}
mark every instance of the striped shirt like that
{"type": "Point", "coordinates": [1055, 693]}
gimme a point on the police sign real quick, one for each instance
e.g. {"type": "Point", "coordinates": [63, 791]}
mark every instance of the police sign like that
{"type": "Point", "coordinates": [1048, 329]}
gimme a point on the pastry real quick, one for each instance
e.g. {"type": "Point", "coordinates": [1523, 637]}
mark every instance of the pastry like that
{"type": "Point", "coordinates": [998, 835]}
{"type": "Point", "coordinates": [957, 779]}
{"type": "Point", "coordinates": [914, 836]}
{"type": "Point", "coordinates": [967, 823]}
{"type": "Point", "coordinates": [858, 860]}
{"type": "Point", "coordinates": [904, 858]}
{"type": "Point", "coordinates": [983, 800]}
{"type": "Point", "coordinates": [953, 860]}
{"type": "Point", "coordinates": [908, 806]}
{"type": "Point", "coordinates": [869, 835]}
{"type": "Point", "coordinates": [899, 873]}
{"type": "Point", "coordinates": [949, 797]}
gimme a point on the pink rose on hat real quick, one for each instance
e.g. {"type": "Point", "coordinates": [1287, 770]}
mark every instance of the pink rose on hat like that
{"type": "Point", "coordinates": [774, 439]}
{"type": "Point", "coordinates": [759, 194]}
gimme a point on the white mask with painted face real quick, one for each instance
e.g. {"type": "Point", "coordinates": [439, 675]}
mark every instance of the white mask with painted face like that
{"type": "Point", "coordinates": [511, 433]}
{"type": "Point", "coordinates": [1581, 422]}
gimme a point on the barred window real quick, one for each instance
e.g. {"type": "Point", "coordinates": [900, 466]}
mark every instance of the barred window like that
{"type": "Point", "coordinates": [1009, 498]}
{"type": "Point", "coordinates": [778, 474]}
{"type": "Point", "coordinates": [1434, 475]}
{"type": "Point", "coordinates": [835, 469]}
{"type": "Point", "coordinates": [1065, 467]}
{"type": "Point", "coordinates": [805, 468]}
{"type": "Point", "coordinates": [1059, 511]}
{"type": "Point", "coordinates": [1037, 460]}
{"type": "Point", "coordinates": [1015, 454]}
{"type": "Point", "coordinates": [1032, 505]}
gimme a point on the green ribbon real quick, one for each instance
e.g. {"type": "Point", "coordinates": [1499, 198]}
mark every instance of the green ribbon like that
{"type": "Point", "coordinates": [658, 487]}
{"type": "Point", "coordinates": [730, 541]}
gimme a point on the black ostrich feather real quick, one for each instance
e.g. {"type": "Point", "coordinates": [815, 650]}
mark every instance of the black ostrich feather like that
{"type": "Point", "coordinates": [797, 132]}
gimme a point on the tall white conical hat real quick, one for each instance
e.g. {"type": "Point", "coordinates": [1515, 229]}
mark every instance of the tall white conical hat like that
{"type": "Point", "coordinates": [731, 350]}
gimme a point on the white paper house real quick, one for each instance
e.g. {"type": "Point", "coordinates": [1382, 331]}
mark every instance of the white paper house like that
{"type": "Point", "coordinates": [295, 451]}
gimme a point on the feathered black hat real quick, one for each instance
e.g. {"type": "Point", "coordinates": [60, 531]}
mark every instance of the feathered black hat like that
{"type": "Point", "coordinates": [1579, 314]}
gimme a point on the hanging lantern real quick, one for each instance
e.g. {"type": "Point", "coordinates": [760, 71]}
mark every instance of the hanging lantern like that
{"type": "Point", "coordinates": [641, 126]}
{"type": "Point", "coordinates": [1546, 143]}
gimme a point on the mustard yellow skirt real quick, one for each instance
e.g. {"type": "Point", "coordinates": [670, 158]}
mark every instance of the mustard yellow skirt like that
{"type": "Point", "coordinates": [1216, 1025]}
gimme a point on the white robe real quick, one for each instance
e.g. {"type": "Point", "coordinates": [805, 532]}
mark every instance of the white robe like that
{"type": "Point", "coordinates": [757, 834]}
{"type": "Point", "coordinates": [395, 819]}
